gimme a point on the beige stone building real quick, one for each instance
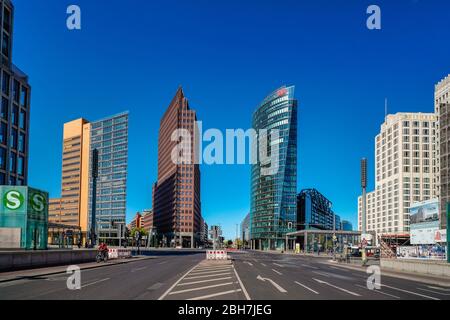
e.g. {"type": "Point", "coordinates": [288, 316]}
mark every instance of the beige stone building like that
{"type": "Point", "coordinates": [405, 162]}
{"type": "Point", "coordinates": [72, 208]}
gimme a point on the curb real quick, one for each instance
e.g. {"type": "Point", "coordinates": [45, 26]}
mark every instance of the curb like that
{"type": "Point", "coordinates": [86, 268]}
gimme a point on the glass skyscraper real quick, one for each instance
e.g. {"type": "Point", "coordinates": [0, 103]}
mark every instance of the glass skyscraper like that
{"type": "Point", "coordinates": [273, 197]}
{"type": "Point", "coordinates": [110, 137]}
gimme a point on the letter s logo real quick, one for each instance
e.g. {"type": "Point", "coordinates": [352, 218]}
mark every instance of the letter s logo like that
{"type": "Point", "coordinates": [38, 202]}
{"type": "Point", "coordinates": [13, 200]}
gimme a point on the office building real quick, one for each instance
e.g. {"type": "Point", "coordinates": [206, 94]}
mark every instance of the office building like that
{"type": "Point", "coordinates": [136, 222]}
{"type": "Point", "coordinates": [204, 232]}
{"type": "Point", "coordinates": [274, 196]}
{"type": "Point", "coordinates": [245, 231]}
{"type": "Point", "coordinates": [176, 194]}
{"type": "Point", "coordinates": [442, 110]}
{"type": "Point", "coordinates": [15, 107]}
{"type": "Point", "coordinates": [110, 137]}
{"type": "Point", "coordinates": [147, 220]}
{"type": "Point", "coordinates": [404, 172]}
{"type": "Point", "coordinates": [346, 225]}
{"type": "Point", "coordinates": [73, 208]}
{"type": "Point", "coordinates": [314, 211]}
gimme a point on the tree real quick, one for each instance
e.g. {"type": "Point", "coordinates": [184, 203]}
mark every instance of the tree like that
{"type": "Point", "coordinates": [142, 232]}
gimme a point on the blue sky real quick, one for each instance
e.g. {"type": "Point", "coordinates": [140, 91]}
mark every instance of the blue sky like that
{"type": "Point", "coordinates": [228, 55]}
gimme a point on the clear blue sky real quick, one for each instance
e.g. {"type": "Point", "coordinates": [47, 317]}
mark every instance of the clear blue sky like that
{"type": "Point", "coordinates": [228, 55]}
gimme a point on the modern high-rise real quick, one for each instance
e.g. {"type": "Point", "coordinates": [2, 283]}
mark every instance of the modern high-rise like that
{"type": "Point", "coordinates": [176, 194]}
{"type": "Point", "coordinates": [245, 231]}
{"type": "Point", "coordinates": [110, 137]}
{"type": "Point", "coordinates": [346, 225]}
{"type": "Point", "coordinates": [442, 110]}
{"type": "Point", "coordinates": [314, 211]}
{"type": "Point", "coordinates": [404, 172]}
{"type": "Point", "coordinates": [15, 107]}
{"type": "Point", "coordinates": [71, 208]}
{"type": "Point", "coordinates": [80, 137]}
{"type": "Point", "coordinates": [273, 210]}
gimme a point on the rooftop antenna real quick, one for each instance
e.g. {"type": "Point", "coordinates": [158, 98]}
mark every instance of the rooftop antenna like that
{"type": "Point", "coordinates": [385, 108]}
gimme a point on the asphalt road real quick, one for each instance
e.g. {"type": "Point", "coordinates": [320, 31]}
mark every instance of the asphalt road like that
{"type": "Point", "coordinates": [250, 276]}
{"type": "Point", "coordinates": [145, 279]}
{"type": "Point", "coordinates": [277, 276]}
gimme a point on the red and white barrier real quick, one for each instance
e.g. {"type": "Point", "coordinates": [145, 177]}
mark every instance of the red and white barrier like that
{"type": "Point", "coordinates": [119, 253]}
{"type": "Point", "coordinates": [216, 255]}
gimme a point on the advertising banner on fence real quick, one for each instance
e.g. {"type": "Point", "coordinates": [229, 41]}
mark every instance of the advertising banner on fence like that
{"type": "Point", "coordinates": [424, 221]}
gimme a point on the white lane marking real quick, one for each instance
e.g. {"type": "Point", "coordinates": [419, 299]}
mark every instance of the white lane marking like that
{"type": "Point", "coordinates": [336, 268]}
{"type": "Point", "coordinates": [439, 288]}
{"type": "Point", "coordinates": [211, 268]}
{"type": "Point", "coordinates": [202, 288]}
{"type": "Point", "coordinates": [276, 271]}
{"type": "Point", "coordinates": [242, 285]}
{"type": "Point", "coordinates": [263, 264]}
{"type": "Point", "coordinates": [208, 272]}
{"type": "Point", "coordinates": [276, 285]}
{"type": "Point", "coordinates": [322, 274]}
{"type": "Point", "coordinates": [249, 263]}
{"type": "Point", "coordinates": [178, 281]}
{"type": "Point", "coordinates": [162, 262]}
{"type": "Point", "coordinates": [279, 265]}
{"type": "Point", "coordinates": [215, 294]}
{"type": "Point", "coordinates": [308, 266]}
{"type": "Point", "coordinates": [387, 294]}
{"type": "Point", "coordinates": [209, 275]}
{"type": "Point", "coordinates": [202, 281]}
{"type": "Point", "coordinates": [441, 293]}
{"type": "Point", "coordinates": [138, 269]}
{"type": "Point", "coordinates": [336, 287]}
{"type": "Point", "coordinates": [98, 281]}
{"type": "Point", "coordinates": [300, 284]}
{"type": "Point", "coordinates": [155, 286]}
{"type": "Point", "coordinates": [410, 292]}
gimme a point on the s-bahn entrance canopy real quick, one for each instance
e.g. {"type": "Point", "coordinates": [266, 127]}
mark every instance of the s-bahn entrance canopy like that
{"type": "Point", "coordinates": [322, 240]}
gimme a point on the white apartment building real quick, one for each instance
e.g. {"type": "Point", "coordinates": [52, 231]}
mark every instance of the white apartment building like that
{"type": "Point", "coordinates": [404, 171]}
{"type": "Point", "coordinates": [442, 110]}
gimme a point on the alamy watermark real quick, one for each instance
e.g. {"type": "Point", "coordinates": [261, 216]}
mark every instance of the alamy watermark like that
{"type": "Point", "coordinates": [374, 280]}
{"type": "Point", "coordinates": [374, 20]}
{"type": "Point", "coordinates": [73, 21]}
{"type": "Point", "coordinates": [74, 280]}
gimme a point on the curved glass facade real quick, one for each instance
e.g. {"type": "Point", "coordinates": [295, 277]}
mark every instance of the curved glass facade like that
{"type": "Point", "coordinates": [273, 197]}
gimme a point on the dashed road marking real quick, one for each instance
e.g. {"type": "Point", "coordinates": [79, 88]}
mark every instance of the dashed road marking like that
{"type": "Point", "coordinates": [278, 272]}
{"type": "Point", "coordinates": [378, 291]}
{"type": "Point", "coordinates": [95, 282]}
{"type": "Point", "coordinates": [410, 292]}
{"type": "Point", "coordinates": [336, 287]}
{"type": "Point", "coordinates": [308, 288]}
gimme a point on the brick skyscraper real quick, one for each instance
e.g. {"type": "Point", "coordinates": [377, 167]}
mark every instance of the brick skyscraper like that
{"type": "Point", "coordinates": [176, 194]}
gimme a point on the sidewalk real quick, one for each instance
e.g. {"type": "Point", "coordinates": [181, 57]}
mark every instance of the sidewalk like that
{"type": "Point", "coordinates": [31, 273]}
{"type": "Point", "coordinates": [429, 279]}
